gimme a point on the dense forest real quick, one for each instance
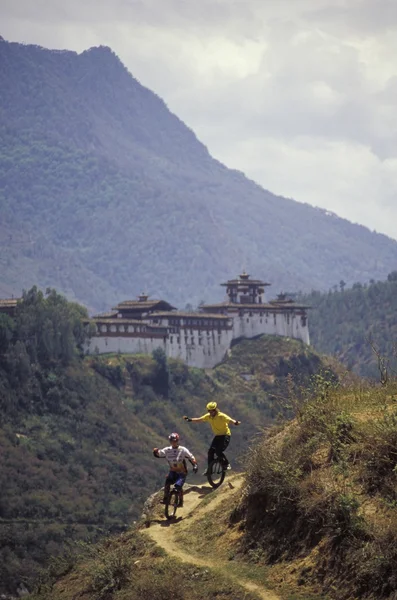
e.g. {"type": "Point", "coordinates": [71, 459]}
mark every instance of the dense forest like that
{"type": "Point", "coordinates": [76, 432]}
{"type": "Point", "coordinates": [105, 193]}
{"type": "Point", "coordinates": [357, 325]}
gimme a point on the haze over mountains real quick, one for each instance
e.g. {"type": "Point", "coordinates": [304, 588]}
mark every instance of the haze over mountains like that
{"type": "Point", "coordinates": [105, 193]}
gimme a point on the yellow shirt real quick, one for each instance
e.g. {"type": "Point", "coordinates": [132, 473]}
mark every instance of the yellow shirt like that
{"type": "Point", "coordinates": [219, 423]}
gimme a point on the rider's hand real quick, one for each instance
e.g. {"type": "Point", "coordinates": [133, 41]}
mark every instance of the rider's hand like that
{"type": "Point", "coordinates": [155, 452]}
{"type": "Point", "coordinates": [237, 422]}
{"type": "Point", "coordinates": [187, 418]}
{"type": "Point", "coordinates": [195, 468]}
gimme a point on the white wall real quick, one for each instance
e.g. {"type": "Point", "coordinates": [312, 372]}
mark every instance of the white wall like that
{"type": "Point", "coordinates": [285, 324]}
{"type": "Point", "coordinates": [124, 345]}
{"type": "Point", "coordinates": [199, 348]}
{"type": "Point", "coordinates": [205, 348]}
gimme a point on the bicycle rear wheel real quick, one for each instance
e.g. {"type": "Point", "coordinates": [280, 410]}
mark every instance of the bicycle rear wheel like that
{"type": "Point", "coordinates": [216, 473]}
{"type": "Point", "coordinates": [171, 504]}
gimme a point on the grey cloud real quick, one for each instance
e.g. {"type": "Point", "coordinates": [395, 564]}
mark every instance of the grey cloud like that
{"type": "Point", "coordinates": [368, 17]}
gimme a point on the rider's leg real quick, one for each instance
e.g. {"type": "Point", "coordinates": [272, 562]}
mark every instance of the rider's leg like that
{"type": "Point", "coordinates": [221, 443]}
{"type": "Point", "coordinates": [212, 450]}
{"type": "Point", "coordinates": [168, 481]}
{"type": "Point", "coordinates": [211, 454]}
{"type": "Point", "coordinates": [179, 487]}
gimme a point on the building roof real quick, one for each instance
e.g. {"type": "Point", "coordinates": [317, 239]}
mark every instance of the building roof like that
{"type": "Point", "coordinates": [107, 320]}
{"type": "Point", "coordinates": [106, 315]}
{"type": "Point", "coordinates": [243, 280]}
{"type": "Point", "coordinates": [117, 321]}
{"type": "Point", "coordinates": [8, 306]}
{"type": "Point", "coordinates": [9, 302]}
{"type": "Point", "coordinates": [143, 305]}
{"type": "Point", "coordinates": [280, 304]}
{"type": "Point", "coordinates": [288, 304]}
{"type": "Point", "coordinates": [236, 305]}
{"type": "Point", "coordinates": [189, 315]}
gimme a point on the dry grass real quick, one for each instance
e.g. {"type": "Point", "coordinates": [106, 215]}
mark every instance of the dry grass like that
{"type": "Point", "coordinates": [329, 481]}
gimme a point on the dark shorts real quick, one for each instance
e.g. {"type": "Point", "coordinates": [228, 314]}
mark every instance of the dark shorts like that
{"type": "Point", "coordinates": [174, 478]}
{"type": "Point", "coordinates": [218, 446]}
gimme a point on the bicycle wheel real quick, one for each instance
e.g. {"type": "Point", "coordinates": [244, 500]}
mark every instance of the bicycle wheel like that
{"type": "Point", "coordinates": [171, 504]}
{"type": "Point", "coordinates": [216, 473]}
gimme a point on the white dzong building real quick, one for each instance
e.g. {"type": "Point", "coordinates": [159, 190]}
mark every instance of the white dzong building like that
{"type": "Point", "coordinates": [201, 339]}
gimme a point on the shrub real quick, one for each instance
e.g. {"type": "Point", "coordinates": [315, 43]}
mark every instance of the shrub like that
{"type": "Point", "coordinates": [110, 573]}
{"type": "Point", "coordinates": [378, 470]}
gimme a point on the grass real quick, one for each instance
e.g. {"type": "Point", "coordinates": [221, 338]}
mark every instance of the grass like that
{"type": "Point", "coordinates": [329, 480]}
{"type": "Point", "coordinates": [316, 518]}
{"type": "Point", "coordinates": [131, 567]}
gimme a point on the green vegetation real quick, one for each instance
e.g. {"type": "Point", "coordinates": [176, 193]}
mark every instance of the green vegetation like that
{"type": "Point", "coordinates": [317, 513]}
{"type": "Point", "coordinates": [358, 326]}
{"type": "Point", "coordinates": [76, 433]}
{"type": "Point", "coordinates": [102, 186]}
{"type": "Point", "coordinates": [321, 495]}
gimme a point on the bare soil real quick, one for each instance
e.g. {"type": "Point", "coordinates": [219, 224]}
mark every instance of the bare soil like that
{"type": "Point", "coordinates": [165, 532]}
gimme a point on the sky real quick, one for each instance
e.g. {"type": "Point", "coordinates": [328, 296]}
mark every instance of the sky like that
{"type": "Point", "coordinates": [300, 95]}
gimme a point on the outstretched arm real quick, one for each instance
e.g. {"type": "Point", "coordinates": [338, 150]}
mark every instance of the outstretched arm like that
{"type": "Point", "coordinates": [235, 422]}
{"type": "Point", "coordinates": [194, 419]}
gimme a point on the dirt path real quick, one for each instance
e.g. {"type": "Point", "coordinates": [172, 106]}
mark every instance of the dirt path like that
{"type": "Point", "coordinates": [165, 533]}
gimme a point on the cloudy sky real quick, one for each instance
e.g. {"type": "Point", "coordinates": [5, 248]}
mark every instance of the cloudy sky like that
{"type": "Point", "coordinates": [301, 95]}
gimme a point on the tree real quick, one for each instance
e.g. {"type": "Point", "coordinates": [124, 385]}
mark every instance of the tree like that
{"type": "Point", "coordinates": [392, 276]}
{"type": "Point", "coordinates": [7, 327]}
{"type": "Point", "coordinates": [161, 379]}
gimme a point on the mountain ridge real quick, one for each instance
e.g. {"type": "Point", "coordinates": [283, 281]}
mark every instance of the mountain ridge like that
{"type": "Point", "coordinates": [111, 193]}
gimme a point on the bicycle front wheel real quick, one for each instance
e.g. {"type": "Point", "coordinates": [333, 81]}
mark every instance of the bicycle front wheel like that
{"type": "Point", "coordinates": [171, 504]}
{"type": "Point", "coordinates": [215, 473]}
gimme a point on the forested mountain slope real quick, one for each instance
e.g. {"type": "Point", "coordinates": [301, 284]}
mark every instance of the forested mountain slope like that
{"type": "Point", "coordinates": [105, 193]}
{"type": "Point", "coordinates": [313, 516]}
{"type": "Point", "coordinates": [357, 325]}
{"type": "Point", "coordinates": [76, 434]}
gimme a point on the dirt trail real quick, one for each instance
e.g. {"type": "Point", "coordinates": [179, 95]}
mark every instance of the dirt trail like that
{"type": "Point", "coordinates": [165, 533]}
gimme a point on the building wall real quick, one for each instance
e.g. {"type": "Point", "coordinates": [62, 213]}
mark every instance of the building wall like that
{"type": "Point", "coordinates": [102, 344]}
{"type": "Point", "coordinates": [203, 347]}
{"type": "Point", "coordinates": [199, 348]}
{"type": "Point", "coordinates": [253, 323]}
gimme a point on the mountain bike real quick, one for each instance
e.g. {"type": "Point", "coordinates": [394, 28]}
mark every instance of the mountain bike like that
{"type": "Point", "coordinates": [216, 473]}
{"type": "Point", "coordinates": [171, 503]}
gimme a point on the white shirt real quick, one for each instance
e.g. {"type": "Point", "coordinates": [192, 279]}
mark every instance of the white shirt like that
{"type": "Point", "coordinates": [176, 457]}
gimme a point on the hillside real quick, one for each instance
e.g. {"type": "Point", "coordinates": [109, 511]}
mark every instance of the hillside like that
{"type": "Point", "coordinates": [76, 433]}
{"type": "Point", "coordinates": [313, 517]}
{"type": "Point", "coordinates": [105, 193]}
{"type": "Point", "coordinates": [358, 326]}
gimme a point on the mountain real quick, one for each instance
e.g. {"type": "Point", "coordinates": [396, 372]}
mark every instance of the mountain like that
{"type": "Point", "coordinates": [105, 193]}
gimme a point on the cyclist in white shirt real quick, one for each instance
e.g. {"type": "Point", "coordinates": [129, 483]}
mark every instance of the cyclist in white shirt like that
{"type": "Point", "coordinates": [176, 456]}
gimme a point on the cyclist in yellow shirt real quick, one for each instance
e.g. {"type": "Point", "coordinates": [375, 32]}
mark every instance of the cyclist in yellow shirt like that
{"type": "Point", "coordinates": [220, 426]}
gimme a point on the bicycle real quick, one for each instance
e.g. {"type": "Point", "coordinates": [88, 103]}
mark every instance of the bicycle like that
{"type": "Point", "coordinates": [171, 503]}
{"type": "Point", "coordinates": [216, 472]}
